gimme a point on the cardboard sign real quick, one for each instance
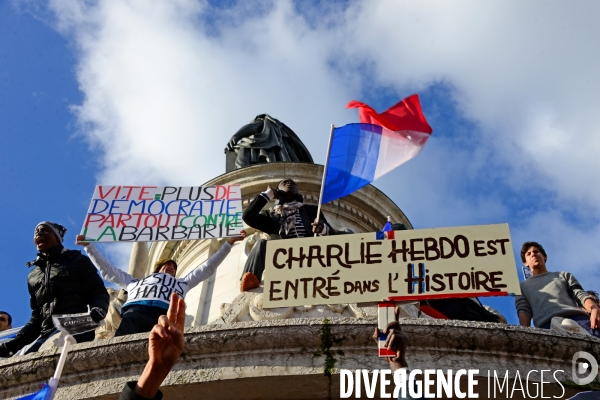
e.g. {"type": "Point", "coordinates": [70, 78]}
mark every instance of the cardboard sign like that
{"type": "Point", "coordinates": [470, 261]}
{"type": "Point", "coordinates": [156, 213]}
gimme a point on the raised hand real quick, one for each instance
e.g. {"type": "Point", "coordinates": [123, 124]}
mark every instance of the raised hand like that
{"type": "Point", "coordinates": [396, 341]}
{"type": "Point", "coordinates": [272, 193]}
{"type": "Point", "coordinates": [165, 342]}
{"type": "Point", "coordinates": [317, 226]}
{"type": "Point", "coordinates": [165, 345]}
{"type": "Point", "coordinates": [234, 239]}
{"type": "Point", "coordinates": [80, 240]}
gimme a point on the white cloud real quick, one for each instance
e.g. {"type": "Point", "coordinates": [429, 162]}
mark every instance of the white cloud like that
{"type": "Point", "coordinates": [167, 83]}
{"type": "Point", "coordinates": [527, 72]}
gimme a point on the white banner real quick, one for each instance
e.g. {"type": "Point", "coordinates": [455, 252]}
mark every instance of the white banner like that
{"type": "Point", "coordinates": [157, 213]}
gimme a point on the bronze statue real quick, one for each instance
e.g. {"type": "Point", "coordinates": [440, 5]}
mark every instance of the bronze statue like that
{"type": "Point", "coordinates": [265, 140]}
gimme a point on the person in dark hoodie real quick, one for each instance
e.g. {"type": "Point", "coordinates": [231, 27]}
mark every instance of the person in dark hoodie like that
{"type": "Point", "coordinates": [61, 281]}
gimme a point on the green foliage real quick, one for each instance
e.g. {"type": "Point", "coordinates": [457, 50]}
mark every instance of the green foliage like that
{"type": "Point", "coordinates": [328, 340]}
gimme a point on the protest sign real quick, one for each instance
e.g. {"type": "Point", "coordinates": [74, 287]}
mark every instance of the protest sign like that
{"type": "Point", "coordinates": [468, 261]}
{"type": "Point", "coordinates": [157, 213]}
{"type": "Point", "coordinates": [74, 324]}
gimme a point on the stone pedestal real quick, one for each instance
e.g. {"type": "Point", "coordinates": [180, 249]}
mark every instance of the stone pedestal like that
{"type": "Point", "coordinates": [286, 359]}
{"type": "Point", "coordinates": [236, 349]}
{"type": "Point", "coordinates": [363, 211]}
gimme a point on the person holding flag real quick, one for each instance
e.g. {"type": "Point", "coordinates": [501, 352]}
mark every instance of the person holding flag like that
{"type": "Point", "coordinates": [290, 218]}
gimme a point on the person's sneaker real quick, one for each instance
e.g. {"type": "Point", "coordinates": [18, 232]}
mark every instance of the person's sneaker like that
{"type": "Point", "coordinates": [249, 281]}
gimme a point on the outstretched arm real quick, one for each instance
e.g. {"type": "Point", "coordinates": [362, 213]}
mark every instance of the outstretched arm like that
{"type": "Point", "coordinates": [204, 271]}
{"type": "Point", "coordinates": [107, 270]}
{"type": "Point", "coordinates": [245, 131]}
{"type": "Point", "coordinates": [27, 334]}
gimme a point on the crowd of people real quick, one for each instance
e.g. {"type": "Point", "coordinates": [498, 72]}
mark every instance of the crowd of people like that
{"type": "Point", "coordinates": [65, 281]}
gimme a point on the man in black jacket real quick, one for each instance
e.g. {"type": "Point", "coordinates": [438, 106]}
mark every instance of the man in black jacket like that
{"type": "Point", "coordinates": [290, 218]}
{"type": "Point", "coordinates": [61, 282]}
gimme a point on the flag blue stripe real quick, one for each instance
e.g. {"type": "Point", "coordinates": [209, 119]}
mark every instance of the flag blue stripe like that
{"type": "Point", "coordinates": [352, 159]}
{"type": "Point", "coordinates": [43, 394]}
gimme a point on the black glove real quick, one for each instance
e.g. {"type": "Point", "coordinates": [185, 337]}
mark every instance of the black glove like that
{"type": "Point", "coordinates": [4, 351]}
{"type": "Point", "coordinates": [97, 314]}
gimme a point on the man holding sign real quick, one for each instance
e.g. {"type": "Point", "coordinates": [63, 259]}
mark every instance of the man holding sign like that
{"type": "Point", "coordinates": [149, 298]}
{"type": "Point", "coordinates": [153, 213]}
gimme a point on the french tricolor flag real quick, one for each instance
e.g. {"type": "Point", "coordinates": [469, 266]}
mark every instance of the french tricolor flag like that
{"type": "Point", "coordinates": [385, 314]}
{"type": "Point", "coordinates": [361, 153]}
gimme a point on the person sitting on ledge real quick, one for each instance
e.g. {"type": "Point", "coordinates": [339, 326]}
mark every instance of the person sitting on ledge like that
{"type": "Point", "coordinates": [546, 294]}
{"type": "Point", "coordinates": [290, 218]}
{"type": "Point", "coordinates": [148, 298]}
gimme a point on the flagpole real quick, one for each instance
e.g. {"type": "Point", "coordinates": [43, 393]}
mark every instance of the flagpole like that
{"type": "Point", "coordinates": [324, 174]}
{"type": "Point", "coordinates": [53, 383]}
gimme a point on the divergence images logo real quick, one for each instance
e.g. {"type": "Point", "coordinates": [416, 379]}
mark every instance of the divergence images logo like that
{"type": "Point", "coordinates": [583, 368]}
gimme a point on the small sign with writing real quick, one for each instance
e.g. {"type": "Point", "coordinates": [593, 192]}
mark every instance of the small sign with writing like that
{"type": "Point", "coordinates": [156, 213]}
{"type": "Point", "coordinates": [469, 261]}
{"type": "Point", "coordinates": [74, 324]}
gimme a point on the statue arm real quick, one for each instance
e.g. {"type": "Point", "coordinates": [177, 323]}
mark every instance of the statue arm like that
{"type": "Point", "coordinates": [204, 271]}
{"type": "Point", "coordinates": [244, 132]}
{"type": "Point", "coordinates": [107, 270]}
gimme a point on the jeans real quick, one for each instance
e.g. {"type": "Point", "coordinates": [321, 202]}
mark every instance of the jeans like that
{"type": "Point", "coordinates": [584, 322]}
{"type": "Point", "coordinates": [256, 259]}
{"type": "Point", "coordinates": [138, 319]}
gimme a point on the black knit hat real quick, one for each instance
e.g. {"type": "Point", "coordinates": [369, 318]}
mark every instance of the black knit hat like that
{"type": "Point", "coordinates": [58, 229]}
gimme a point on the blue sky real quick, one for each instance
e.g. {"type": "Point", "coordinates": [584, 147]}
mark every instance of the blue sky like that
{"type": "Point", "coordinates": [136, 92]}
